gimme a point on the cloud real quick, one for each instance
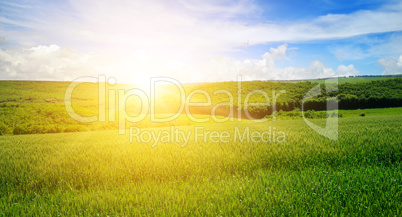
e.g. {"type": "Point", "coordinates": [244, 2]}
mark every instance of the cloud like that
{"type": "Point", "coordinates": [348, 52]}
{"type": "Point", "coordinates": [55, 63]}
{"type": "Point", "coordinates": [392, 46]}
{"type": "Point", "coordinates": [391, 65]}
{"type": "Point", "coordinates": [367, 46]}
{"type": "Point", "coordinates": [273, 54]}
{"type": "Point", "coordinates": [331, 26]}
{"type": "Point", "coordinates": [190, 26]}
{"type": "Point", "coordinates": [219, 8]}
{"type": "Point", "coordinates": [130, 39]}
{"type": "Point", "coordinates": [349, 70]}
{"type": "Point", "coordinates": [222, 68]}
{"type": "Point", "coordinates": [45, 63]}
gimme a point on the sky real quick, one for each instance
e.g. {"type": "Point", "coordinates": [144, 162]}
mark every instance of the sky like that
{"type": "Point", "coordinates": [199, 40]}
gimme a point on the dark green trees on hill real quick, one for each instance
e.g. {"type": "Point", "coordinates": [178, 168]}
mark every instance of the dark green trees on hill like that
{"type": "Point", "coordinates": [375, 94]}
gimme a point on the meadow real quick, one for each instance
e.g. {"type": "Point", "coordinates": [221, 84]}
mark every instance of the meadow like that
{"type": "Point", "coordinates": [34, 107]}
{"type": "Point", "coordinates": [356, 79]}
{"type": "Point", "coordinates": [53, 165]}
{"type": "Point", "coordinates": [102, 173]}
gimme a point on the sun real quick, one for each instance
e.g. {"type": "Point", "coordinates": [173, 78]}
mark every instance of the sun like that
{"type": "Point", "coordinates": [142, 83]}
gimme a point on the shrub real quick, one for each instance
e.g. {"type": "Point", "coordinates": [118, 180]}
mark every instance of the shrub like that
{"type": "Point", "coordinates": [19, 130]}
{"type": "Point", "coordinates": [3, 129]}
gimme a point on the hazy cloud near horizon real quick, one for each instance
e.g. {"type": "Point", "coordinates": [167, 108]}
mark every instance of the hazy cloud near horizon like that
{"type": "Point", "coordinates": [55, 63]}
{"type": "Point", "coordinates": [391, 66]}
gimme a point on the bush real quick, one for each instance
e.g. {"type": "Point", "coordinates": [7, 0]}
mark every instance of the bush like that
{"type": "Point", "coordinates": [18, 130]}
{"type": "Point", "coordinates": [4, 129]}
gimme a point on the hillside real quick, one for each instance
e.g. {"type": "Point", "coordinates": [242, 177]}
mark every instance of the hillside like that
{"type": "Point", "coordinates": [39, 107]}
{"type": "Point", "coordinates": [358, 79]}
{"type": "Point", "coordinates": [102, 173]}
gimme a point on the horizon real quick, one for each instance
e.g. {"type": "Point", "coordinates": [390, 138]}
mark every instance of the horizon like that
{"type": "Point", "coordinates": [193, 83]}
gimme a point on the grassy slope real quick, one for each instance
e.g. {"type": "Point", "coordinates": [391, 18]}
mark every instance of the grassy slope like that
{"type": "Point", "coordinates": [102, 173]}
{"type": "Point", "coordinates": [31, 107]}
{"type": "Point", "coordinates": [371, 112]}
{"type": "Point", "coordinates": [356, 79]}
{"type": "Point", "coordinates": [341, 113]}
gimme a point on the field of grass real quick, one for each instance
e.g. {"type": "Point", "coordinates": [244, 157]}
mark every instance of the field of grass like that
{"type": "Point", "coordinates": [356, 79]}
{"type": "Point", "coordinates": [371, 112]}
{"type": "Point", "coordinates": [102, 173]}
{"type": "Point", "coordinates": [297, 114]}
{"type": "Point", "coordinates": [28, 107]}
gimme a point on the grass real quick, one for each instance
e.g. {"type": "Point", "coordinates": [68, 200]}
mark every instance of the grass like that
{"type": "Point", "coordinates": [102, 173]}
{"type": "Point", "coordinates": [33, 107]}
{"type": "Point", "coordinates": [297, 114]}
{"type": "Point", "coordinates": [371, 112]}
{"type": "Point", "coordinates": [356, 79]}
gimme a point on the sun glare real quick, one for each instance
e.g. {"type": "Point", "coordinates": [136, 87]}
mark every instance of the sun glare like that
{"type": "Point", "coordinates": [141, 82]}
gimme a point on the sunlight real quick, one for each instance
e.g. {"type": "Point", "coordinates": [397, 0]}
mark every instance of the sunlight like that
{"type": "Point", "coordinates": [138, 67]}
{"type": "Point", "coordinates": [141, 82]}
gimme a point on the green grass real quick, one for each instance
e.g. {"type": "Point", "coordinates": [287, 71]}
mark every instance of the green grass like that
{"type": "Point", "coordinates": [91, 173]}
{"type": "Point", "coordinates": [102, 173]}
{"type": "Point", "coordinates": [32, 107]}
{"type": "Point", "coordinates": [297, 114]}
{"type": "Point", "coordinates": [371, 112]}
{"type": "Point", "coordinates": [356, 79]}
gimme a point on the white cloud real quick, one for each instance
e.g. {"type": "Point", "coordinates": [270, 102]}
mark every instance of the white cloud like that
{"type": "Point", "coordinates": [391, 47]}
{"type": "Point", "coordinates": [45, 63]}
{"type": "Point", "coordinates": [368, 46]}
{"type": "Point", "coordinates": [222, 68]}
{"type": "Point", "coordinates": [56, 63]}
{"type": "Point", "coordinates": [324, 27]}
{"type": "Point", "coordinates": [391, 66]}
{"type": "Point", "coordinates": [273, 54]}
{"type": "Point", "coordinates": [349, 70]}
{"type": "Point", "coordinates": [348, 52]}
{"type": "Point", "coordinates": [170, 38]}
{"type": "Point", "coordinates": [190, 26]}
{"type": "Point", "coordinates": [219, 8]}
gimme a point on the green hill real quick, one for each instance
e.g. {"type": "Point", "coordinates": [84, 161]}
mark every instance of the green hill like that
{"type": "Point", "coordinates": [28, 107]}
{"type": "Point", "coordinates": [354, 79]}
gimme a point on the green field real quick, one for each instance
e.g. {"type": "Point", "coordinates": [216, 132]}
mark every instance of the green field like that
{"type": "Point", "coordinates": [28, 107]}
{"type": "Point", "coordinates": [102, 173]}
{"type": "Point", "coordinates": [371, 112]}
{"type": "Point", "coordinates": [357, 79]}
{"type": "Point", "coordinates": [297, 114]}
{"type": "Point", "coordinates": [70, 168]}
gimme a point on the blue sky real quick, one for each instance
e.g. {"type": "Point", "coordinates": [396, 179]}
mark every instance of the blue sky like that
{"type": "Point", "coordinates": [295, 9]}
{"type": "Point", "coordinates": [197, 41]}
